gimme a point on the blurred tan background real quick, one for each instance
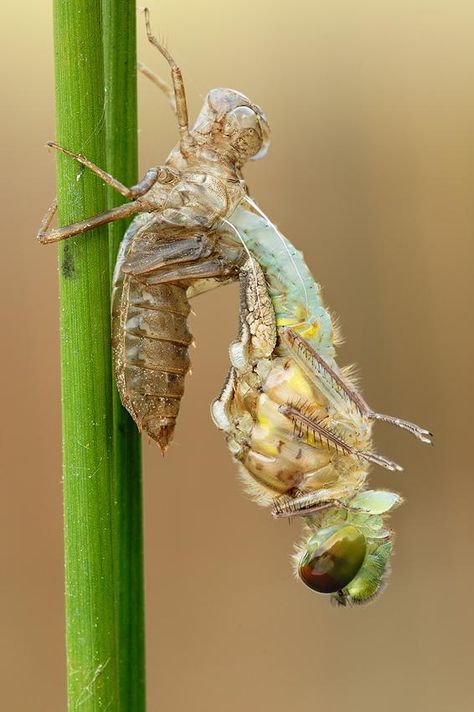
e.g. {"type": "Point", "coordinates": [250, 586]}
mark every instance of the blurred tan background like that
{"type": "Point", "coordinates": [371, 173]}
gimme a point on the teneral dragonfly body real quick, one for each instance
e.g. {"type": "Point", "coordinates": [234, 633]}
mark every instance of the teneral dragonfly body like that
{"type": "Point", "coordinates": [296, 424]}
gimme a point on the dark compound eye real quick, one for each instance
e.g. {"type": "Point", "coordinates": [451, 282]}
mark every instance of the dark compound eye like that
{"type": "Point", "coordinates": [335, 561]}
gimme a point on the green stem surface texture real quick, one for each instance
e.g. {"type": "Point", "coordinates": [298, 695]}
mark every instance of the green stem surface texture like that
{"type": "Point", "coordinates": [102, 511]}
{"type": "Point", "coordinates": [120, 65]}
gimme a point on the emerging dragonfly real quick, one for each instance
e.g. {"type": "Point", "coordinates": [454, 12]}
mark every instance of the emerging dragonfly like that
{"type": "Point", "coordinates": [296, 423]}
{"type": "Point", "coordinates": [292, 418]}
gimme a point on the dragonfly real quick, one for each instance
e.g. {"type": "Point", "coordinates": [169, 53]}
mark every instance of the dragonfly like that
{"type": "Point", "coordinates": [297, 425]}
{"type": "Point", "coordinates": [293, 420]}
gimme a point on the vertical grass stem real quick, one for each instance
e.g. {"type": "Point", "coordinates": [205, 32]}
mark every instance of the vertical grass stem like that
{"type": "Point", "coordinates": [102, 507]}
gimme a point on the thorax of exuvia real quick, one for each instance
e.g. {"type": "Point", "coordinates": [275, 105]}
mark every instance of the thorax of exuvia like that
{"type": "Point", "coordinates": [205, 183]}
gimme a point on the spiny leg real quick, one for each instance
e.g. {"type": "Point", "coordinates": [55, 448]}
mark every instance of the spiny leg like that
{"type": "Point", "coordinates": [310, 357]}
{"type": "Point", "coordinates": [178, 87]}
{"type": "Point", "coordinates": [285, 507]}
{"type": "Point", "coordinates": [305, 426]}
{"type": "Point", "coordinates": [159, 82]}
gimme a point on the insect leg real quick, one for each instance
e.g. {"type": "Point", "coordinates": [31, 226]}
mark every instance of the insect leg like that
{"type": "Point", "coordinates": [313, 433]}
{"type": "Point", "coordinates": [310, 503]}
{"type": "Point", "coordinates": [159, 82]}
{"type": "Point", "coordinates": [421, 433]}
{"type": "Point", "coordinates": [157, 173]}
{"type": "Point", "coordinates": [47, 235]}
{"type": "Point", "coordinates": [178, 87]}
{"type": "Point", "coordinates": [310, 358]}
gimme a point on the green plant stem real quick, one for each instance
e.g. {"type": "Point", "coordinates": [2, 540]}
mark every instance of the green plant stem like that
{"type": "Point", "coordinates": [97, 524]}
{"type": "Point", "coordinates": [121, 148]}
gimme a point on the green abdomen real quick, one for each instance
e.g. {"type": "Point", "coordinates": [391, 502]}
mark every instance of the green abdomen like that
{"type": "Point", "coordinates": [294, 293]}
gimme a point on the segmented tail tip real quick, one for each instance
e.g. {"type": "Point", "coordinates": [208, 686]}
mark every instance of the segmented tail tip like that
{"type": "Point", "coordinates": [160, 430]}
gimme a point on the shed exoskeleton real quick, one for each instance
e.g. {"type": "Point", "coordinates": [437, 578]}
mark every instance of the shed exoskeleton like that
{"type": "Point", "coordinates": [174, 248]}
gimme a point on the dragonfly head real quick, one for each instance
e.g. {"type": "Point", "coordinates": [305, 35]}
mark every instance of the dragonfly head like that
{"type": "Point", "coordinates": [228, 120]}
{"type": "Point", "coordinates": [347, 552]}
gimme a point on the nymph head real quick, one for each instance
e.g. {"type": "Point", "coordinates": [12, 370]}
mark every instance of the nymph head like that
{"type": "Point", "coordinates": [347, 552]}
{"type": "Point", "coordinates": [230, 123]}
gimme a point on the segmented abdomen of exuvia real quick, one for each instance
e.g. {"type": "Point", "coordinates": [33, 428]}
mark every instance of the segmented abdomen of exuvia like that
{"type": "Point", "coordinates": [150, 339]}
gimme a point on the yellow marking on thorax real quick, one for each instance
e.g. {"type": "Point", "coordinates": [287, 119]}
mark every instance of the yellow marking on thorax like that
{"type": "Point", "coordinates": [310, 331]}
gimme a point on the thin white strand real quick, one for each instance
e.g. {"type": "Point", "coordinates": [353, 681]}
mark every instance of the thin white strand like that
{"type": "Point", "coordinates": [251, 257]}
{"type": "Point", "coordinates": [283, 242]}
